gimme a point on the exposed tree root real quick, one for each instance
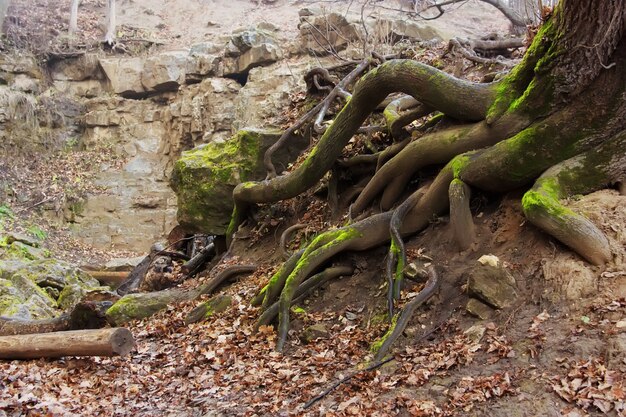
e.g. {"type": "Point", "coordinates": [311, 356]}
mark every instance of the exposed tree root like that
{"type": "Point", "coordinates": [319, 111]}
{"type": "Point", "coordinates": [582, 174]}
{"type": "Point", "coordinates": [304, 289]}
{"type": "Point", "coordinates": [460, 214]}
{"type": "Point", "coordinates": [284, 237]}
{"type": "Point", "coordinates": [401, 319]}
{"type": "Point", "coordinates": [402, 111]}
{"type": "Point", "coordinates": [460, 99]}
{"type": "Point", "coordinates": [480, 51]}
{"type": "Point", "coordinates": [558, 116]}
{"type": "Point", "coordinates": [396, 259]}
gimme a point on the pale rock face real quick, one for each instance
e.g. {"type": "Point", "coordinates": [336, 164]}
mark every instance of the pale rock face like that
{"type": "Point", "coordinates": [139, 207]}
{"type": "Point", "coordinates": [124, 75]}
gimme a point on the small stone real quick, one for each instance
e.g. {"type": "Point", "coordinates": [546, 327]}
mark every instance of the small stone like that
{"type": "Point", "coordinates": [314, 332]}
{"type": "Point", "coordinates": [493, 285]}
{"type": "Point", "coordinates": [479, 309]}
{"type": "Point", "coordinates": [475, 333]}
{"type": "Point", "coordinates": [492, 260]}
{"type": "Point", "coordinates": [621, 324]}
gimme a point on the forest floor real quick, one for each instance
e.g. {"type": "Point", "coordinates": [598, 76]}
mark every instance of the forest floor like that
{"type": "Point", "coordinates": [559, 350]}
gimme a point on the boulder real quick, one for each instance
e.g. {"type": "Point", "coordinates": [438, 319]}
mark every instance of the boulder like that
{"type": "Point", "coordinates": [314, 332]}
{"type": "Point", "coordinates": [327, 33]}
{"type": "Point", "coordinates": [393, 31]}
{"type": "Point", "coordinates": [200, 65]}
{"type": "Point", "coordinates": [215, 305]}
{"type": "Point", "coordinates": [249, 49]}
{"type": "Point", "coordinates": [479, 309]}
{"type": "Point", "coordinates": [263, 54]}
{"type": "Point", "coordinates": [204, 177]}
{"type": "Point", "coordinates": [165, 71]}
{"type": "Point", "coordinates": [34, 289]}
{"type": "Point", "coordinates": [492, 284]}
{"type": "Point", "coordinates": [124, 75]}
{"type": "Point", "coordinates": [123, 264]}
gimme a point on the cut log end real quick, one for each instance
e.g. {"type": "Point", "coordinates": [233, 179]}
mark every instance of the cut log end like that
{"type": "Point", "coordinates": [122, 341]}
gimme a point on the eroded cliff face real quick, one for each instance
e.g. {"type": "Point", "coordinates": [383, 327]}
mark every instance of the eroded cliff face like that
{"type": "Point", "coordinates": [147, 109]}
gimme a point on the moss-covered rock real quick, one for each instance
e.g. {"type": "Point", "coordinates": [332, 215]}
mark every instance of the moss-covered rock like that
{"type": "Point", "coordinates": [33, 287]}
{"type": "Point", "coordinates": [204, 177]}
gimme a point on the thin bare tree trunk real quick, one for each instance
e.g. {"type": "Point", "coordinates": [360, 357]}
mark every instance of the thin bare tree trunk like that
{"type": "Point", "coordinates": [4, 6]}
{"type": "Point", "coordinates": [74, 17]}
{"type": "Point", "coordinates": [110, 35]}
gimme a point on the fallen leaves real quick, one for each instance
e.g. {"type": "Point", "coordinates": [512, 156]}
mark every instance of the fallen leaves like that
{"type": "Point", "coordinates": [589, 384]}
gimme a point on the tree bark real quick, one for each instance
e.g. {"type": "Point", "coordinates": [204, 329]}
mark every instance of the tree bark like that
{"type": "Point", "coordinates": [100, 342]}
{"type": "Point", "coordinates": [109, 38]}
{"type": "Point", "coordinates": [74, 17]}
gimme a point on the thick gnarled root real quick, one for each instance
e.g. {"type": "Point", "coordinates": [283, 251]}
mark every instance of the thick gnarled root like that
{"type": "Point", "coordinates": [582, 174]}
{"type": "Point", "coordinates": [435, 148]}
{"type": "Point", "coordinates": [459, 99]}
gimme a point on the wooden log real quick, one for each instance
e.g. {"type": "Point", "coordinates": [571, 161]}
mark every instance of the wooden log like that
{"type": "Point", "coordinates": [194, 264]}
{"type": "Point", "coordinates": [112, 278]}
{"type": "Point", "coordinates": [100, 342]}
{"type": "Point", "coordinates": [12, 326]}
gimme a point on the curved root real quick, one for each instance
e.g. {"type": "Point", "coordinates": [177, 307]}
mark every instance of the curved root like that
{"type": "Point", "coordinates": [434, 148]}
{"type": "Point", "coordinates": [304, 289]}
{"type": "Point", "coordinates": [401, 320]}
{"type": "Point", "coordinates": [457, 98]}
{"type": "Point", "coordinates": [582, 174]}
{"type": "Point", "coordinates": [396, 258]}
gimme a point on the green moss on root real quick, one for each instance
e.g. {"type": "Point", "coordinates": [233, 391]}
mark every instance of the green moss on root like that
{"type": "Point", "coordinates": [379, 343]}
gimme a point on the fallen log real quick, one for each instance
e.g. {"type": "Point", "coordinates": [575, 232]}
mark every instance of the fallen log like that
{"type": "Point", "coordinates": [195, 263]}
{"type": "Point", "coordinates": [111, 278]}
{"type": "Point", "coordinates": [100, 342]}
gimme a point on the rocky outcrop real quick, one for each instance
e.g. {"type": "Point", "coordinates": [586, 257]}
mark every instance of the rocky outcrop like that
{"type": "Point", "coordinates": [204, 60]}
{"type": "Point", "coordinates": [139, 207]}
{"type": "Point", "coordinates": [204, 178]}
{"type": "Point", "coordinates": [37, 287]}
{"type": "Point", "coordinates": [249, 49]}
{"type": "Point", "coordinates": [327, 33]}
{"type": "Point", "coordinates": [124, 75]}
{"type": "Point", "coordinates": [165, 71]}
{"type": "Point", "coordinates": [269, 90]}
{"type": "Point", "coordinates": [392, 31]}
